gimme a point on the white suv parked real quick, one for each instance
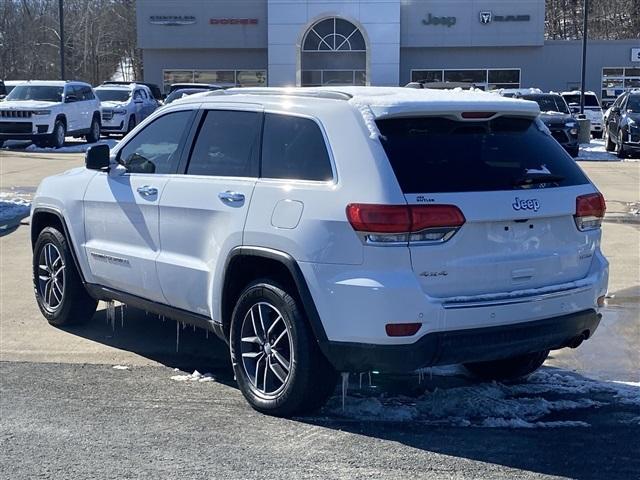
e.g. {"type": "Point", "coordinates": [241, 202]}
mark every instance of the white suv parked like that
{"type": "Point", "coordinates": [592, 109]}
{"type": "Point", "coordinates": [324, 230]}
{"type": "Point", "coordinates": [124, 106]}
{"type": "Point", "coordinates": [47, 111]}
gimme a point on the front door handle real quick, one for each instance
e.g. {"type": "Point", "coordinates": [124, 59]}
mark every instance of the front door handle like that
{"type": "Point", "coordinates": [147, 191]}
{"type": "Point", "coordinates": [231, 197]}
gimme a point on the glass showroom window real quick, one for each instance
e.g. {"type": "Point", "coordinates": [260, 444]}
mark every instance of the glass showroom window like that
{"type": "Point", "coordinates": [333, 52]}
{"type": "Point", "coordinates": [318, 78]}
{"type": "Point", "coordinates": [238, 78]}
{"type": "Point", "coordinates": [617, 80]}
{"type": "Point", "coordinates": [489, 79]}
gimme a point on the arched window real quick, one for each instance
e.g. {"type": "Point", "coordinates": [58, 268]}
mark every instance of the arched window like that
{"type": "Point", "coordinates": [334, 35]}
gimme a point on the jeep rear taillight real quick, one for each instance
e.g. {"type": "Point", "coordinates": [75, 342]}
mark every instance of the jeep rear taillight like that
{"type": "Point", "coordinates": [589, 211]}
{"type": "Point", "coordinates": [405, 223]}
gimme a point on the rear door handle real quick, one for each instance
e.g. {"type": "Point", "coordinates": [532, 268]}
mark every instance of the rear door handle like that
{"type": "Point", "coordinates": [147, 191]}
{"type": "Point", "coordinates": [231, 197]}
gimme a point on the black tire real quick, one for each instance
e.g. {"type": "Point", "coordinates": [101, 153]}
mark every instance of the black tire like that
{"type": "Point", "coordinates": [608, 143]}
{"type": "Point", "coordinates": [75, 305]}
{"type": "Point", "coordinates": [56, 139]}
{"type": "Point", "coordinates": [94, 132]}
{"type": "Point", "coordinates": [310, 380]}
{"type": "Point", "coordinates": [509, 368]}
{"type": "Point", "coordinates": [620, 151]}
{"type": "Point", "coordinates": [132, 123]}
{"type": "Point", "coordinates": [574, 152]}
{"type": "Point", "coordinates": [597, 134]}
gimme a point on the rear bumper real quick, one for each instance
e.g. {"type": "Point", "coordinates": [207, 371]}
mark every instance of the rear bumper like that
{"type": "Point", "coordinates": [470, 345]}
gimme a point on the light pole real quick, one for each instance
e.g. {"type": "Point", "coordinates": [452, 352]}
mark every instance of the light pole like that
{"type": "Point", "coordinates": [585, 15]}
{"type": "Point", "coordinates": [61, 19]}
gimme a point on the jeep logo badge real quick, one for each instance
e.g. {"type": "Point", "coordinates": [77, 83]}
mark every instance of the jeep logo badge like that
{"type": "Point", "coordinates": [526, 204]}
{"type": "Point", "coordinates": [485, 17]}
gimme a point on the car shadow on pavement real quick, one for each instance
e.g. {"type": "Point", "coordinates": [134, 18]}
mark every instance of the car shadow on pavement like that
{"type": "Point", "coordinates": [162, 340]}
{"type": "Point", "coordinates": [605, 449]}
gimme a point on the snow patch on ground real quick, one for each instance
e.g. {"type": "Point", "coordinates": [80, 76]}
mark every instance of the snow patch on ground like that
{"type": "Point", "coordinates": [120, 367]}
{"type": "Point", "coordinates": [196, 376]}
{"type": "Point", "coordinates": [72, 145]}
{"type": "Point", "coordinates": [492, 405]}
{"type": "Point", "coordinates": [595, 151]}
{"type": "Point", "coordinates": [13, 208]}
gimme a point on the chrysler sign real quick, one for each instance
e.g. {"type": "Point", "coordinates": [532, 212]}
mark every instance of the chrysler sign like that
{"type": "Point", "coordinates": [172, 20]}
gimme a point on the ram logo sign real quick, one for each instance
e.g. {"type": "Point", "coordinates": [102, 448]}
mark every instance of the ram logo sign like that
{"type": "Point", "coordinates": [485, 17]}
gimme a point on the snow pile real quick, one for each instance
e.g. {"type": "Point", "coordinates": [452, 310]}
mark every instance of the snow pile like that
{"type": "Point", "coordinates": [196, 376]}
{"type": "Point", "coordinates": [492, 405]}
{"type": "Point", "coordinates": [12, 210]}
{"type": "Point", "coordinates": [75, 148]}
{"type": "Point", "coordinates": [120, 367]}
{"type": "Point", "coordinates": [72, 145]}
{"type": "Point", "coordinates": [595, 151]}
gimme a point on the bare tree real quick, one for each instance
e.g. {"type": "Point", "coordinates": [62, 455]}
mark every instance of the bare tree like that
{"type": "Point", "coordinates": [100, 37]}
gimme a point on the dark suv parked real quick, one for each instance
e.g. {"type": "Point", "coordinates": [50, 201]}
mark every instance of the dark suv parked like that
{"type": "Point", "coordinates": [557, 117]}
{"type": "Point", "coordinates": [622, 131]}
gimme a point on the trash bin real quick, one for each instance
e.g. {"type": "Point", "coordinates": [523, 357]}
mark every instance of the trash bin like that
{"type": "Point", "coordinates": [584, 131]}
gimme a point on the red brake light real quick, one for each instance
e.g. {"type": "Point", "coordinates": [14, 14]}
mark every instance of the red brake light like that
{"type": "Point", "coordinates": [402, 218]}
{"type": "Point", "coordinates": [379, 218]}
{"type": "Point", "coordinates": [589, 211]}
{"type": "Point", "coordinates": [402, 329]}
{"type": "Point", "coordinates": [433, 216]}
{"type": "Point", "coordinates": [478, 114]}
{"type": "Point", "coordinates": [591, 205]}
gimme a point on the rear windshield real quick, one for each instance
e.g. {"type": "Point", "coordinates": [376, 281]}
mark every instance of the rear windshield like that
{"type": "Point", "coordinates": [433, 154]}
{"type": "Point", "coordinates": [114, 95]}
{"type": "Point", "coordinates": [590, 100]}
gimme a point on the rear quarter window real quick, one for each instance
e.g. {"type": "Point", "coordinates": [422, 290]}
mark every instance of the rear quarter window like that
{"type": "Point", "coordinates": [294, 148]}
{"type": "Point", "coordinates": [434, 154]}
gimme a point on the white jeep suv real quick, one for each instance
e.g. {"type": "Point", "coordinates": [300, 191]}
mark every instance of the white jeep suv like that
{"type": "Point", "coordinates": [324, 230]}
{"type": "Point", "coordinates": [124, 106]}
{"type": "Point", "coordinates": [47, 111]}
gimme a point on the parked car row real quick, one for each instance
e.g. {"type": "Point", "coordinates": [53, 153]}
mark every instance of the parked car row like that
{"type": "Point", "coordinates": [622, 125]}
{"type": "Point", "coordinates": [45, 112]}
{"type": "Point", "coordinates": [555, 114]}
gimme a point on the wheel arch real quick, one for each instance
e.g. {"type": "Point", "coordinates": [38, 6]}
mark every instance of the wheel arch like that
{"type": "Point", "coordinates": [62, 117]}
{"type": "Point", "coordinates": [246, 264]}
{"type": "Point", "coordinates": [43, 217]}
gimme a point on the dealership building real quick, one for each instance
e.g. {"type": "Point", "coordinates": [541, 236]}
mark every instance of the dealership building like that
{"type": "Point", "coordinates": [489, 43]}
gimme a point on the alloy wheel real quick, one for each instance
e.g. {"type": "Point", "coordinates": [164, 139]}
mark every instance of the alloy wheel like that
{"type": "Point", "coordinates": [266, 348]}
{"type": "Point", "coordinates": [51, 276]}
{"type": "Point", "coordinates": [60, 136]}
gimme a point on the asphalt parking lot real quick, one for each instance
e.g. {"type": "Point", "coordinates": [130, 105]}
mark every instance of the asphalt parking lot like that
{"type": "Point", "coordinates": [66, 412]}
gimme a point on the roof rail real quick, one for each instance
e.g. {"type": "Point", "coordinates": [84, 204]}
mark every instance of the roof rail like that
{"type": "Point", "coordinates": [294, 92]}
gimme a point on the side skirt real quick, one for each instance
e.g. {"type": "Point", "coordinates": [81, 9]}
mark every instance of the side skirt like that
{"type": "Point", "coordinates": [104, 293]}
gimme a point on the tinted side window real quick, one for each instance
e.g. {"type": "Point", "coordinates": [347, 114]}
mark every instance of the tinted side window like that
{"type": "Point", "coordinates": [156, 148]}
{"type": "Point", "coordinates": [227, 145]}
{"type": "Point", "coordinates": [137, 95]}
{"type": "Point", "coordinates": [431, 154]}
{"type": "Point", "coordinates": [86, 93]}
{"type": "Point", "coordinates": [294, 148]}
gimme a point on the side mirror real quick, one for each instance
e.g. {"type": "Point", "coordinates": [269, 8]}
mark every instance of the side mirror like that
{"type": "Point", "coordinates": [97, 157]}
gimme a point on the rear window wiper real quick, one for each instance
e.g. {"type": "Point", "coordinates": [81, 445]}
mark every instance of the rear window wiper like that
{"type": "Point", "coordinates": [537, 178]}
